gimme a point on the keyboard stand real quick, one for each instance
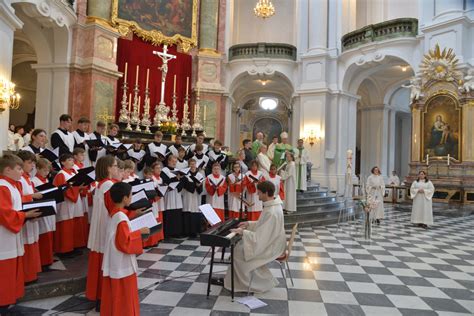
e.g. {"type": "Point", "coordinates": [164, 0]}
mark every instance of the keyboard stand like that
{"type": "Point", "coordinates": [231, 262]}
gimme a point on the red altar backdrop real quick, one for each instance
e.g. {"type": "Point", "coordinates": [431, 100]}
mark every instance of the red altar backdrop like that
{"type": "Point", "coordinates": [137, 52]}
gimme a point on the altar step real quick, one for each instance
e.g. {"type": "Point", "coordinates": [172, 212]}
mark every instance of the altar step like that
{"type": "Point", "coordinates": [318, 206]}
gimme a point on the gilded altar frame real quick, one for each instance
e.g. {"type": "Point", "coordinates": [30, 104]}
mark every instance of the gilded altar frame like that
{"type": "Point", "coordinates": [424, 111]}
{"type": "Point", "coordinates": [156, 37]}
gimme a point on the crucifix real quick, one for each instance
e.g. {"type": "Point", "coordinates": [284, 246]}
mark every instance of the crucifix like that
{"type": "Point", "coordinates": [161, 110]}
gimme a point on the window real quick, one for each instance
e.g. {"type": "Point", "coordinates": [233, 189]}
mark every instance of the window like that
{"type": "Point", "coordinates": [268, 103]}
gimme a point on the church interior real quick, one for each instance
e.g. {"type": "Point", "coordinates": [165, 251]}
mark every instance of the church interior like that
{"type": "Point", "coordinates": [357, 113]}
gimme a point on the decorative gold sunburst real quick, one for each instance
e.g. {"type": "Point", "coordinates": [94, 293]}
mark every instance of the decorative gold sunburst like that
{"type": "Point", "coordinates": [440, 65]}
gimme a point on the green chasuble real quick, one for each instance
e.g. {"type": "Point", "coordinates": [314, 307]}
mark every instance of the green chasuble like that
{"type": "Point", "coordinates": [256, 147]}
{"type": "Point", "coordinates": [280, 149]}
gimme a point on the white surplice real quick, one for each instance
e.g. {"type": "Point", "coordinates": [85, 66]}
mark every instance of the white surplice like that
{"type": "Point", "coordinates": [262, 242]}
{"type": "Point", "coordinates": [264, 164]}
{"type": "Point", "coordinates": [288, 175]}
{"type": "Point", "coordinates": [422, 211]}
{"type": "Point", "coordinates": [301, 161]}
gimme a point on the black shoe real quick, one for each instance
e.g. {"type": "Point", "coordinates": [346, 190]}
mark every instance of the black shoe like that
{"type": "Point", "coordinates": [97, 306]}
{"type": "Point", "coordinates": [47, 268]}
{"type": "Point", "coordinates": [377, 221]}
{"type": "Point", "coordinates": [4, 309]}
{"type": "Point", "coordinates": [217, 281]}
{"type": "Point", "coordinates": [66, 255]}
{"type": "Point", "coordinates": [425, 226]}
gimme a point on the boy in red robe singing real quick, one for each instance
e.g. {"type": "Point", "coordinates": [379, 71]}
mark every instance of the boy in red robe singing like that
{"type": "Point", "coordinates": [216, 186]}
{"type": "Point", "coordinates": [11, 222]}
{"type": "Point", "coordinates": [119, 287]}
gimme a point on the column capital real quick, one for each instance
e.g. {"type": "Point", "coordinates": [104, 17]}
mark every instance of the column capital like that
{"type": "Point", "coordinates": [7, 15]}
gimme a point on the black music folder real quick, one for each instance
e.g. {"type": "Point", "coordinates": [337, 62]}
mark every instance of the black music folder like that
{"type": "Point", "coordinates": [86, 170]}
{"type": "Point", "coordinates": [97, 143]}
{"type": "Point", "coordinates": [139, 200]}
{"type": "Point", "coordinates": [53, 193]}
{"type": "Point", "coordinates": [51, 155]}
{"type": "Point", "coordinates": [80, 179]}
{"type": "Point", "coordinates": [46, 207]}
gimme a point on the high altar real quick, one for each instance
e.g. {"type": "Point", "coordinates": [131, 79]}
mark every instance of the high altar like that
{"type": "Point", "coordinates": [442, 127]}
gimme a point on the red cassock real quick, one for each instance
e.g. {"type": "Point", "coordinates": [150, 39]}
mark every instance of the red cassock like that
{"type": "Point", "coordinates": [81, 224]}
{"type": "Point", "coordinates": [11, 270]}
{"type": "Point", "coordinates": [64, 234]}
{"type": "Point", "coordinates": [216, 195]}
{"type": "Point", "coordinates": [235, 192]}
{"type": "Point", "coordinates": [94, 269]}
{"type": "Point", "coordinates": [31, 258]}
{"type": "Point", "coordinates": [120, 296]}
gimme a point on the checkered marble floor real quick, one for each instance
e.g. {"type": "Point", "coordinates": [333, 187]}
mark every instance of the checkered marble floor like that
{"type": "Point", "coordinates": [402, 270]}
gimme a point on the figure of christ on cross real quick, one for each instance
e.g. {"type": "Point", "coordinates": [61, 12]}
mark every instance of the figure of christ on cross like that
{"type": "Point", "coordinates": [165, 57]}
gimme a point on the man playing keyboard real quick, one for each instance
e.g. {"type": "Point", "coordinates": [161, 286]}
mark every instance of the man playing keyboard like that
{"type": "Point", "coordinates": [262, 242]}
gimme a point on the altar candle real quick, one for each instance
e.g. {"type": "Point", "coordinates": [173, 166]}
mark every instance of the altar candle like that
{"type": "Point", "coordinates": [136, 78]}
{"type": "Point", "coordinates": [130, 103]}
{"type": "Point", "coordinates": [187, 85]}
{"type": "Point", "coordinates": [147, 77]}
{"type": "Point", "coordinates": [125, 75]}
{"type": "Point", "coordinates": [174, 86]}
{"type": "Point", "coordinates": [427, 160]}
{"type": "Point", "coordinates": [449, 157]}
{"type": "Point", "coordinates": [139, 103]}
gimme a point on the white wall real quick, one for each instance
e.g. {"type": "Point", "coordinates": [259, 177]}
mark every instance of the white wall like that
{"type": "Point", "coordinates": [8, 23]}
{"type": "Point", "coordinates": [280, 28]}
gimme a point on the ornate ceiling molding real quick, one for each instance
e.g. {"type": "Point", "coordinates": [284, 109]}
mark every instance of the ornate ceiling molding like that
{"type": "Point", "coordinates": [49, 13]}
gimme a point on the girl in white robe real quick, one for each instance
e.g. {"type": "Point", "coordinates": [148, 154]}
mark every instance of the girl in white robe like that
{"type": "Point", "coordinates": [264, 162]}
{"type": "Point", "coordinates": [421, 192]}
{"type": "Point", "coordinates": [288, 175]}
{"type": "Point", "coordinates": [376, 189]}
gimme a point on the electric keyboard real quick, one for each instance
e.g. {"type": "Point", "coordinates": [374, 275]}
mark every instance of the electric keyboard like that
{"type": "Point", "coordinates": [220, 235]}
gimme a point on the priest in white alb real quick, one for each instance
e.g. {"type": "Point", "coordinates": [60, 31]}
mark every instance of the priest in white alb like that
{"type": "Point", "coordinates": [262, 242]}
{"type": "Point", "coordinates": [421, 192]}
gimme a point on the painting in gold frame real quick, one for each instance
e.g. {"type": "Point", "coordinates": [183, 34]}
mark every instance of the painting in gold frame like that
{"type": "Point", "coordinates": [441, 126]}
{"type": "Point", "coordinates": [171, 22]}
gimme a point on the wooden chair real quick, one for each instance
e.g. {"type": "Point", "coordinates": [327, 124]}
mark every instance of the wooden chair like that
{"type": "Point", "coordinates": [282, 260]}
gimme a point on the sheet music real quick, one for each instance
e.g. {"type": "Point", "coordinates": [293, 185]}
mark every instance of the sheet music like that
{"type": "Point", "coordinates": [48, 190]}
{"type": "Point", "coordinates": [92, 174]}
{"type": "Point", "coordinates": [31, 206]}
{"type": "Point", "coordinates": [173, 185]}
{"type": "Point", "coordinates": [147, 220]}
{"type": "Point", "coordinates": [163, 189]}
{"type": "Point", "coordinates": [147, 186]}
{"type": "Point", "coordinates": [139, 196]}
{"type": "Point", "coordinates": [210, 215]}
{"type": "Point", "coordinates": [56, 151]}
{"type": "Point", "coordinates": [184, 171]}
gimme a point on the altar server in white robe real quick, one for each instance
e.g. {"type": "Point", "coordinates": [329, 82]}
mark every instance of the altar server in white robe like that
{"type": "Point", "coordinates": [301, 161]}
{"type": "Point", "coordinates": [288, 175]}
{"type": "Point", "coordinates": [62, 138]}
{"type": "Point", "coordinates": [271, 147]}
{"type": "Point", "coordinates": [262, 242]}
{"type": "Point", "coordinates": [264, 162]}
{"type": "Point", "coordinates": [173, 202]}
{"type": "Point", "coordinates": [394, 179]}
{"type": "Point", "coordinates": [421, 192]}
{"type": "Point", "coordinates": [193, 184]}
{"type": "Point", "coordinates": [375, 187]}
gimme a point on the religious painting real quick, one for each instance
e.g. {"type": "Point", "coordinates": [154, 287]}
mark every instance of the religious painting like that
{"type": "Point", "coordinates": [269, 126]}
{"type": "Point", "coordinates": [171, 22]}
{"type": "Point", "coordinates": [442, 127]}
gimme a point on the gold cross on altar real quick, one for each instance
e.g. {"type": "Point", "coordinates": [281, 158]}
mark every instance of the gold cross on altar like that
{"type": "Point", "coordinates": [104, 115]}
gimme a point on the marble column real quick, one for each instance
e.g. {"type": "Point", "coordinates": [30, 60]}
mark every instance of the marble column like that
{"type": "Point", "coordinates": [9, 22]}
{"type": "Point", "coordinates": [209, 64]}
{"type": "Point", "coordinates": [318, 26]}
{"type": "Point", "coordinates": [94, 73]}
{"type": "Point", "coordinates": [468, 132]}
{"type": "Point", "coordinates": [374, 138]}
{"type": "Point", "coordinates": [208, 26]}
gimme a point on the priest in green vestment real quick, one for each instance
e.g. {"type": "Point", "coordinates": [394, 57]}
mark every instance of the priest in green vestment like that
{"type": "Point", "coordinates": [257, 143]}
{"type": "Point", "coordinates": [280, 149]}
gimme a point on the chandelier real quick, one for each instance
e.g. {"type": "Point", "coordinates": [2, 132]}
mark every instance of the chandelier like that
{"type": "Point", "coordinates": [264, 9]}
{"type": "Point", "coordinates": [8, 96]}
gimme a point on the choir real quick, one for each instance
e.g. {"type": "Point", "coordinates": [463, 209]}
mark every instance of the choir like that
{"type": "Point", "coordinates": [84, 169]}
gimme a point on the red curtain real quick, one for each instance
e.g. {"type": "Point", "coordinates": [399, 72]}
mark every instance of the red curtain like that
{"type": "Point", "coordinates": [137, 52]}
